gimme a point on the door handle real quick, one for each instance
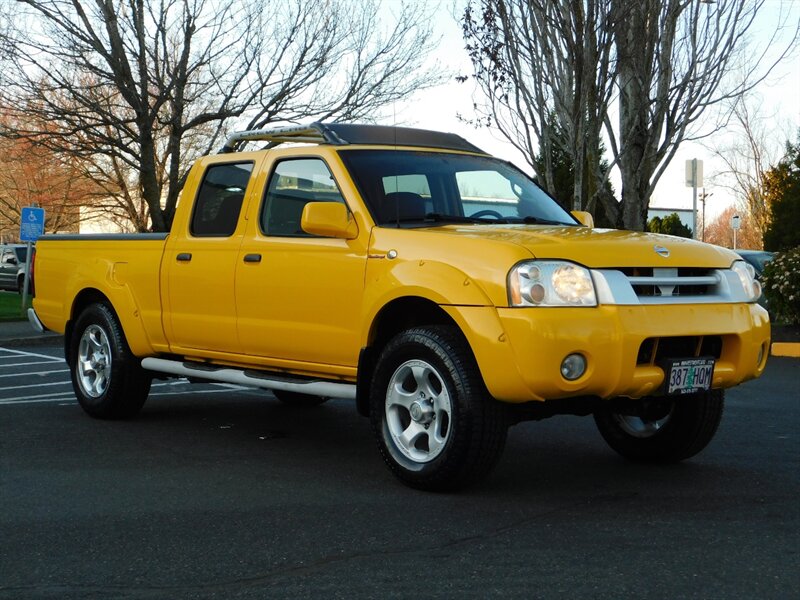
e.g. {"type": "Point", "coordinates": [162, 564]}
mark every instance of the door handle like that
{"type": "Point", "coordinates": [252, 258]}
{"type": "Point", "coordinates": [184, 257]}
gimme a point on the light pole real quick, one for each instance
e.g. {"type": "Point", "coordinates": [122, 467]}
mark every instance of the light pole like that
{"type": "Point", "coordinates": [703, 196]}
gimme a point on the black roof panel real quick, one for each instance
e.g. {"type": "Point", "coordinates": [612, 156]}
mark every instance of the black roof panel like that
{"type": "Point", "coordinates": [350, 133]}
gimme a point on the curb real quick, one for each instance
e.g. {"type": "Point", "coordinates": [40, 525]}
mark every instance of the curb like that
{"type": "Point", "coordinates": [790, 349]}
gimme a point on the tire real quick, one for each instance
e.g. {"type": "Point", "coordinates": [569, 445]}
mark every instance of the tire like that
{"type": "Point", "coordinates": [679, 429]}
{"type": "Point", "coordinates": [107, 378]}
{"type": "Point", "coordinates": [299, 400]}
{"type": "Point", "coordinates": [436, 425]}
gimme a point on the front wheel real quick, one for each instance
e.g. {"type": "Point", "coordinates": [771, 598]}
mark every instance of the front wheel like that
{"type": "Point", "coordinates": [674, 429]}
{"type": "Point", "coordinates": [107, 378]}
{"type": "Point", "coordinates": [436, 425]}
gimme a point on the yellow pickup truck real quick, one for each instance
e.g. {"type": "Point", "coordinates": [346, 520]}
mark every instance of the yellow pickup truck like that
{"type": "Point", "coordinates": [438, 287]}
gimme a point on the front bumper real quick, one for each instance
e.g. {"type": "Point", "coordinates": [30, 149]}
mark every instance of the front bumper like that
{"type": "Point", "coordinates": [520, 350]}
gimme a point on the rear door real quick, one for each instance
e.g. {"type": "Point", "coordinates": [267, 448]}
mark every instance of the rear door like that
{"type": "Point", "coordinates": [200, 260]}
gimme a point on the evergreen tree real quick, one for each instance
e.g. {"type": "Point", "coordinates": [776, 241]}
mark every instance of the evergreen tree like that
{"type": "Point", "coordinates": [671, 225]}
{"type": "Point", "coordinates": [782, 188]}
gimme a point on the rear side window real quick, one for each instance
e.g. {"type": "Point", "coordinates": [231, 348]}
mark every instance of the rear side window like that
{"type": "Point", "coordinates": [295, 183]}
{"type": "Point", "coordinates": [219, 200]}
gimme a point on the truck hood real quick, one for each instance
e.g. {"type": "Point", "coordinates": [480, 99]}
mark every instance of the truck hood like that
{"type": "Point", "coordinates": [600, 248]}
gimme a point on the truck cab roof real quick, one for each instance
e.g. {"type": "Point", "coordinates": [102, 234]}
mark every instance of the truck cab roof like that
{"type": "Point", "coordinates": [341, 134]}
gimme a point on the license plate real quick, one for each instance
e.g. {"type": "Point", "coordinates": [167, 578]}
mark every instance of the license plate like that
{"type": "Point", "coordinates": [688, 375]}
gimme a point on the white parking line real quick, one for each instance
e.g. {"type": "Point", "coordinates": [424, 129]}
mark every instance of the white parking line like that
{"type": "Point", "coordinates": [39, 373]}
{"type": "Point", "coordinates": [34, 385]}
{"type": "Point", "coordinates": [23, 399]}
{"type": "Point", "coordinates": [31, 354]}
{"type": "Point", "coordinates": [45, 401]}
{"type": "Point", "coordinates": [63, 398]}
{"type": "Point", "coordinates": [25, 364]}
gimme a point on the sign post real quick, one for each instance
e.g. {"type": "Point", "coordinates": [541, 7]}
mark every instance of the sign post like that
{"type": "Point", "coordinates": [736, 224]}
{"type": "Point", "coordinates": [694, 180]}
{"type": "Point", "coordinates": [31, 228]}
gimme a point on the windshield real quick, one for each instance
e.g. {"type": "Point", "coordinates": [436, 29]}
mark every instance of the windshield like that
{"type": "Point", "coordinates": [412, 189]}
{"type": "Point", "coordinates": [22, 253]}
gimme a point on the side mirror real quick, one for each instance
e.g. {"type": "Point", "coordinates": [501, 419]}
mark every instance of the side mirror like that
{"type": "Point", "coordinates": [328, 219]}
{"type": "Point", "coordinates": [10, 260]}
{"type": "Point", "coordinates": [584, 218]}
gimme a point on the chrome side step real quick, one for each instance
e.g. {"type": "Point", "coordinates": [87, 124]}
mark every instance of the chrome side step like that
{"type": "Point", "coordinates": [251, 378]}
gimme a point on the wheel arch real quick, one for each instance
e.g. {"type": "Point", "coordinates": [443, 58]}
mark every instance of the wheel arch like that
{"type": "Point", "coordinates": [397, 315]}
{"type": "Point", "coordinates": [85, 297]}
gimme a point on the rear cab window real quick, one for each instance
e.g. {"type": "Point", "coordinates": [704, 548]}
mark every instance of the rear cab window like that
{"type": "Point", "coordinates": [219, 199]}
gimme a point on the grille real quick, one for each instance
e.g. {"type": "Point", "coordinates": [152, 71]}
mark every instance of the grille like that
{"type": "Point", "coordinates": [654, 283]}
{"type": "Point", "coordinates": [653, 350]}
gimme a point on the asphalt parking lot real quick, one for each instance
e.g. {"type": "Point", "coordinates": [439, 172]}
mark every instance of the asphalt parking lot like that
{"type": "Point", "coordinates": [222, 492]}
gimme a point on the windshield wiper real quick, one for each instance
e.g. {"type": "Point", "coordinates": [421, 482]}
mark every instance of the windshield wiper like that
{"type": "Point", "coordinates": [529, 220]}
{"type": "Point", "coordinates": [439, 218]}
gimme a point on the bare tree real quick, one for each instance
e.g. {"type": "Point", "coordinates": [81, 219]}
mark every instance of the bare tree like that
{"type": "Point", "coordinates": [756, 145]}
{"type": "Point", "coordinates": [545, 71]}
{"type": "Point", "coordinates": [137, 89]}
{"type": "Point", "coordinates": [720, 232]}
{"type": "Point", "coordinates": [667, 66]}
{"type": "Point", "coordinates": [33, 175]}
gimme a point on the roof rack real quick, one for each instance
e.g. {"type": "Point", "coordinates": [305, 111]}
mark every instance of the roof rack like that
{"type": "Point", "coordinates": [347, 133]}
{"type": "Point", "coordinates": [313, 134]}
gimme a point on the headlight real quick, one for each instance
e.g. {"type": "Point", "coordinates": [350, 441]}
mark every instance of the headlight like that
{"type": "Point", "coordinates": [550, 283]}
{"type": "Point", "coordinates": [747, 275]}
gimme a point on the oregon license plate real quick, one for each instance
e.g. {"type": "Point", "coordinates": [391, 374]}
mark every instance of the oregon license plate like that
{"type": "Point", "coordinates": [688, 375]}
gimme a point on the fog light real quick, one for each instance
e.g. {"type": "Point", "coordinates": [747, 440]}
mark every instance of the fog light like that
{"type": "Point", "coordinates": [573, 367]}
{"type": "Point", "coordinates": [760, 355]}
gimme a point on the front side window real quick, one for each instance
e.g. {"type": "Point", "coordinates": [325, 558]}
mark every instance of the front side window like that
{"type": "Point", "coordinates": [295, 183]}
{"type": "Point", "coordinates": [219, 200]}
{"type": "Point", "coordinates": [406, 188]}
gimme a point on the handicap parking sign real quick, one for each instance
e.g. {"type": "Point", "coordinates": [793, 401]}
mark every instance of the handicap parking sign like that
{"type": "Point", "coordinates": [31, 224]}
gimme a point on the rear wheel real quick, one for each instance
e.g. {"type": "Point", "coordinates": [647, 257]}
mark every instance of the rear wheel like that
{"type": "Point", "coordinates": [107, 378]}
{"type": "Point", "coordinates": [674, 429]}
{"type": "Point", "coordinates": [436, 425]}
{"type": "Point", "coordinates": [298, 399]}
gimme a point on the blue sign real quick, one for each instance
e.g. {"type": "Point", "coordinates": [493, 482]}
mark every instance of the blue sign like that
{"type": "Point", "coordinates": [31, 224]}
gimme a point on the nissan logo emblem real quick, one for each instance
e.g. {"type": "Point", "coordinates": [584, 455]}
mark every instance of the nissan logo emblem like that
{"type": "Point", "coordinates": [661, 251]}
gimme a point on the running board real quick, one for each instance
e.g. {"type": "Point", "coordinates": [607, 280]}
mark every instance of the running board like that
{"type": "Point", "coordinates": [251, 378]}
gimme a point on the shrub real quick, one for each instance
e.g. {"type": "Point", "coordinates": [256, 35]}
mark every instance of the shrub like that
{"type": "Point", "coordinates": [781, 283]}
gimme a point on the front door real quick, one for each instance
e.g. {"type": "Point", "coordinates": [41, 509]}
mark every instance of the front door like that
{"type": "Point", "coordinates": [298, 296]}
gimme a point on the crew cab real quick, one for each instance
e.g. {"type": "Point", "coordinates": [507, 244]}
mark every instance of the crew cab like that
{"type": "Point", "coordinates": [437, 287]}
